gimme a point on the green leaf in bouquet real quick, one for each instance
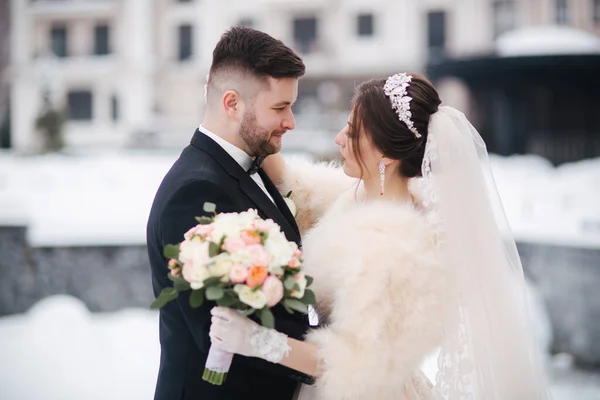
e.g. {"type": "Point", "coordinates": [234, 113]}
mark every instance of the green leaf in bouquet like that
{"type": "Point", "coordinates": [309, 297]}
{"type": "Point", "coordinates": [197, 298]}
{"type": "Point", "coordinates": [213, 249]}
{"type": "Point", "coordinates": [204, 220]}
{"type": "Point", "coordinates": [297, 305]}
{"type": "Point", "coordinates": [214, 292]}
{"type": "Point", "coordinates": [165, 296]}
{"type": "Point", "coordinates": [248, 312]}
{"type": "Point", "coordinates": [289, 194]}
{"type": "Point", "coordinates": [212, 281]}
{"type": "Point", "coordinates": [309, 280]}
{"type": "Point", "coordinates": [181, 285]}
{"type": "Point", "coordinates": [171, 251]}
{"type": "Point", "coordinates": [289, 283]}
{"type": "Point", "coordinates": [210, 207]}
{"type": "Point", "coordinates": [266, 318]}
{"type": "Point", "coordinates": [289, 310]}
{"type": "Point", "coordinates": [228, 300]}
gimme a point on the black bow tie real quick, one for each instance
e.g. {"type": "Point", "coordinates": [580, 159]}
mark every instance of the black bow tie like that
{"type": "Point", "coordinates": [256, 165]}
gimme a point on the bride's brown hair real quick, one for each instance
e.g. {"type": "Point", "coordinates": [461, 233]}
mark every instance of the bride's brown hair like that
{"type": "Point", "coordinates": [373, 114]}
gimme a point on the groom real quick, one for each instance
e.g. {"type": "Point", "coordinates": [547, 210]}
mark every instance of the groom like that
{"type": "Point", "coordinates": [253, 83]}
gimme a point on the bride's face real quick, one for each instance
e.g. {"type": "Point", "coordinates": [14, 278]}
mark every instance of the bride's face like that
{"type": "Point", "coordinates": [369, 156]}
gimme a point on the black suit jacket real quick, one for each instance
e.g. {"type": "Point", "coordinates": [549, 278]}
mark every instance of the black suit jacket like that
{"type": "Point", "coordinates": [206, 173]}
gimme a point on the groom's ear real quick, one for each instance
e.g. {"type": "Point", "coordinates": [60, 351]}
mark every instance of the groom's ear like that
{"type": "Point", "coordinates": [233, 104]}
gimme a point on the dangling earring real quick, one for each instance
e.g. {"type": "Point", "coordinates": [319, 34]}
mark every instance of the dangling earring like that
{"type": "Point", "coordinates": [382, 175]}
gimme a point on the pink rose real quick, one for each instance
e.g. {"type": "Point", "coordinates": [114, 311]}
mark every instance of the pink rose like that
{"type": "Point", "coordinates": [188, 235]}
{"type": "Point", "coordinates": [257, 255]}
{"type": "Point", "coordinates": [294, 263]}
{"type": "Point", "coordinates": [250, 237]}
{"type": "Point", "coordinates": [273, 288]}
{"type": "Point", "coordinates": [263, 225]}
{"type": "Point", "coordinates": [297, 254]}
{"type": "Point", "coordinates": [233, 244]}
{"type": "Point", "coordinates": [204, 230]}
{"type": "Point", "coordinates": [238, 273]}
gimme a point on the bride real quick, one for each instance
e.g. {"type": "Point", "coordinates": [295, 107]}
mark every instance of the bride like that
{"type": "Point", "coordinates": [411, 254]}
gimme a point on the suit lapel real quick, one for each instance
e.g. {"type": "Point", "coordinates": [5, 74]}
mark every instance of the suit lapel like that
{"type": "Point", "coordinates": [249, 187]}
{"type": "Point", "coordinates": [281, 204]}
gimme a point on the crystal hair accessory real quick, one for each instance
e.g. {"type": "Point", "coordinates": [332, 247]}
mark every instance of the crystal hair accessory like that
{"type": "Point", "coordinates": [396, 89]}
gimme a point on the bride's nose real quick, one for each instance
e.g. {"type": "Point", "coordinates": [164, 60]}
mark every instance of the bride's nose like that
{"type": "Point", "coordinates": [339, 138]}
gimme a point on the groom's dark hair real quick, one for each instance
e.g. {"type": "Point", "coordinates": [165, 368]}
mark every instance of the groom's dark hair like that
{"type": "Point", "coordinates": [255, 54]}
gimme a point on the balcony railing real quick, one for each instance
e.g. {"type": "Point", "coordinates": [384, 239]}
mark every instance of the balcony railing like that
{"type": "Point", "coordinates": [73, 7]}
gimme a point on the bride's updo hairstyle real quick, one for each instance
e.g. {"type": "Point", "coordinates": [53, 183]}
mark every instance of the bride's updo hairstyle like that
{"type": "Point", "coordinates": [374, 115]}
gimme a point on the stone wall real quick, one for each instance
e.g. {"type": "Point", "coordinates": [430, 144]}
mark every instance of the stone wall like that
{"type": "Point", "coordinates": [568, 279]}
{"type": "Point", "coordinates": [106, 278]}
{"type": "Point", "coordinates": [109, 278]}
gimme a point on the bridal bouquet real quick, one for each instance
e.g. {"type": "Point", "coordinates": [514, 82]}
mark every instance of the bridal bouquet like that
{"type": "Point", "coordinates": [241, 261]}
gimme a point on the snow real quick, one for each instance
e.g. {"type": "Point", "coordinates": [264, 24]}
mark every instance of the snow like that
{"type": "Point", "coordinates": [547, 40]}
{"type": "Point", "coordinates": [58, 350]}
{"type": "Point", "coordinates": [105, 198]}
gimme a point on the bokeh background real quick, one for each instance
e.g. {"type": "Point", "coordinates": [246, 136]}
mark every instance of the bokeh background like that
{"type": "Point", "coordinates": [98, 97]}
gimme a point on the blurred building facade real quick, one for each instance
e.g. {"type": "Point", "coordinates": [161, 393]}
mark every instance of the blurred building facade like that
{"type": "Point", "coordinates": [4, 78]}
{"type": "Point", "coordinates": [132, 71]}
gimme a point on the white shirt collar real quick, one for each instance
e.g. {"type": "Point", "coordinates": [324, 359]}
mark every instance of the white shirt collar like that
{"type": "Point", "coordinates": [236, 153]}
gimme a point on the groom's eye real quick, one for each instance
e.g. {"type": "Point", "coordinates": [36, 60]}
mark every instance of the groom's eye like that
{"type": "Point", "coordinates": [280, 108]}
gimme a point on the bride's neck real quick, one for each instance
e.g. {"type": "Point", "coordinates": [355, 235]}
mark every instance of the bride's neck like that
{"type": "Point", "coordinates": [395, 188]}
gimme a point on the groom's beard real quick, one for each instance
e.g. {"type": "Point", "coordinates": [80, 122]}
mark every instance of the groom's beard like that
{"type": "Point", "coordinates": [257, 138]}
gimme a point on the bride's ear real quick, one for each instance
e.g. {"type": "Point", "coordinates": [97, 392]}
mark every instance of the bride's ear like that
{"type": "Point", "coordinates": [389, 162]}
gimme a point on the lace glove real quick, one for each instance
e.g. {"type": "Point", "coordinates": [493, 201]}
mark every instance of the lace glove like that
{"type": "Point", "coordinates": [234, 333]}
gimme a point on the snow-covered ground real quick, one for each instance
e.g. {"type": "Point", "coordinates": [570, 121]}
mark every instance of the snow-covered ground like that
{"type": "Point", "coordinates": [60, 351]}
{"type": "Point", "coordinates": [105, 198]}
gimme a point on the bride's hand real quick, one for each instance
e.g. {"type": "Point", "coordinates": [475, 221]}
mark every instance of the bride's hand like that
{"type": "Point", "coordinates": [234, 333]}
{"type": "Point", "coordinates": [274, 165]}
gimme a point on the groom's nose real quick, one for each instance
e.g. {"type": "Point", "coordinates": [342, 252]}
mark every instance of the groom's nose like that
{"type": "Point", "coordinates": [289, 122]}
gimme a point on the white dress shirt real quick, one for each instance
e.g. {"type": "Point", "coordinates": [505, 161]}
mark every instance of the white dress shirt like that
{"type": "Point", "coordinates": [239, 155]}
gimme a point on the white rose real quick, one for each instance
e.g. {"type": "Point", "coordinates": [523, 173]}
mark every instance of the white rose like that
{"type": "Point", "coordinates": [195, 275]}
{"type": "Point", "coordinates": [301, 281]}
{"type": "Point", "coordinates": [280, 251]}
{"type": "Point", "coordinates": [256, 299]}
{"type": "Point", "coordinates": [246, 218]}
{"type": "Point", "coordinates": [187, 249]}
{"type": "Point", "coordinates": [291, 205]}
{"type": "Point", "coordinates": [221, 266]}
{"type": "Point", "coordinates": [225, 224]}
{"type": "Point", "coordinates": [200, 255]}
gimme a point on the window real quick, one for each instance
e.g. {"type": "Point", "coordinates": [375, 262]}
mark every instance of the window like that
{"type": "Point", "coordinates": [562, 12]}
{"type": "Point", "coordinates": [436, 35]}
{"type": "Point", "coordinates": [101, 40]}
{"type": "Point", "coordinates": [185, 42]}
{"type": "Point", "coordinates": [247, 22]}
{"type": "Point", "coordinates": [504, 16]}
{"type": "Point", "coordinates": [114, 108]}
{"type": "Point", "coordinates": [596, 11]}
{"type": "Point", "coordinates": [58, 40]}
{"type": "Point", "coordinates": [365, 25]}
{"type": "Point", "coordinates": [80, 105]}
{"type": "Point", "coordinates": [305, 34]}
